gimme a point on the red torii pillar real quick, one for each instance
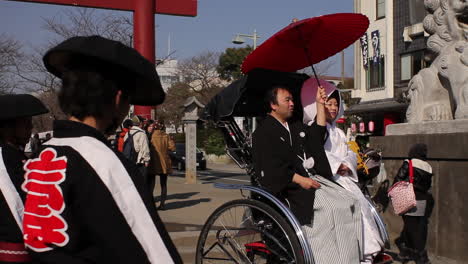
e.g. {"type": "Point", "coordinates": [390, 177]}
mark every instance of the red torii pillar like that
{"type": "Point", "coordinates": [143, 41]}
{"type": "Point", "coordinates": [143, 22]}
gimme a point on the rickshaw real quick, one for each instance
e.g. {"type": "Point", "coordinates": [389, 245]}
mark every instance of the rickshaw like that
{"type": "Point", "coordinates": [260, 228]}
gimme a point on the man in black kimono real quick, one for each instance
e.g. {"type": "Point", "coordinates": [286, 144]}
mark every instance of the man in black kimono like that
{"type": "Point", "coordinates": [278, 146]}
{"type": "Point", "coordinates": [86, 202]}
{"type": "Point", "coordinates": [15, 132]}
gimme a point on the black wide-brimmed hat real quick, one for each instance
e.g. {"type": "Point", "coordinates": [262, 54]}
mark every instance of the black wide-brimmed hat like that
{"type": "Point", "coordinates": [20, 105]}
{"type": "Point", "coordinates": [123, 62]}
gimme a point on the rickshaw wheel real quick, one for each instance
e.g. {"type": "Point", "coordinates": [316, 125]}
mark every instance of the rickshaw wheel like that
{"type": "Point", "coordinates": [247, 231]}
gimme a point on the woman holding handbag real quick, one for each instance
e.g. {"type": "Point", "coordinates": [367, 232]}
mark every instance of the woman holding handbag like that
{"type": "Point", "coordinates": [413, 237]}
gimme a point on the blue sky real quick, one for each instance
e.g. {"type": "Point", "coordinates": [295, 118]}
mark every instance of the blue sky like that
{"type": "Point", "coordinates": [212, 30]}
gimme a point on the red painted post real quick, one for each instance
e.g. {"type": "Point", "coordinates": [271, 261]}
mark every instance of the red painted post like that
{"type": "Point", "coordinates": [144, 39]}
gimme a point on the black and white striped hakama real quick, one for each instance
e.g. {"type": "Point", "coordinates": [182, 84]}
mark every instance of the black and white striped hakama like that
{"type": "Point", "coordinates": [335, 233]}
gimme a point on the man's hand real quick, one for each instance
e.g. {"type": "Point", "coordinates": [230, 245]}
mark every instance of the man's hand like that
{"type": "Point", "coordinates": [343, 170]}
{"type": "Point", "coordinates": [305, 182]}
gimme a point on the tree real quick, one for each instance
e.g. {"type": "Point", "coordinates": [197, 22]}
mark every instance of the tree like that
{"type": "Point", "coordinates": [84, 22]}
{"type": "Point", "coordinates": [69, 23]}
{"type": "Point", "coordinates": [30, 72]}
{"type": "Point", "coordinates": [200, 76]}
{"type": "Point", "coordinates": [172, 110]}
{"type": "Point", "coordinates": [230, 61]}
{"type": "Point", "coordinates": [44, 122]}
{"type": "Point", "coordinates": [9, 55]}
{"type": "Point", "coordinates": [322, 68]}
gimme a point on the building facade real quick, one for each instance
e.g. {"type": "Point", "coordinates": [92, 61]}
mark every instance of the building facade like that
{"type": "Point", "coordinates": [168, 73]}
{"type": "Point", "coordinates": [390, 53]}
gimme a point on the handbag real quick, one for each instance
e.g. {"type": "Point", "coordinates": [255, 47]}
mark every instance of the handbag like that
{"type": "Point", "coordinates": [402, 194]}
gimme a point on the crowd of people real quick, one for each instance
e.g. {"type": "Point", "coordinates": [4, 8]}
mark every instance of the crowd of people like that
{"type": "Point", "coordinates": [146, 142]}
{"type": "Point", "coordinates": [80, 199]}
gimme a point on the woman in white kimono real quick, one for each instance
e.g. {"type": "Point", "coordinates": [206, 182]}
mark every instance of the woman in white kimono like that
{"type": "Point", "coordinates": [335, 233]}
{"type": "Point", "coordinates": [343, 162]}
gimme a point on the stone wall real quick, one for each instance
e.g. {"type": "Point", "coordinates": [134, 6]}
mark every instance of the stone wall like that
{"type": "Point", "coordinates": [448, 156]}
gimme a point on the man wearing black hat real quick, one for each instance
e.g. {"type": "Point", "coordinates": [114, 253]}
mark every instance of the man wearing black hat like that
{"type": "Point", "coordinates": [15, 132]}
{"type": "Point", "coordinates": [86, 202]}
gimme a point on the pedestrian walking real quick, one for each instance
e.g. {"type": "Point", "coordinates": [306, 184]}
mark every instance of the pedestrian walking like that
{"type": "Point", "coordinates": [126, 125]}
{"type": "Point", "coordinates": [140, 145]}
{"type": "Point", "coordinates": [413, 237]}
{"type": "Point", "coordinates": [15, 132]}
{"type": "Point", "coordinates": [161, 164]}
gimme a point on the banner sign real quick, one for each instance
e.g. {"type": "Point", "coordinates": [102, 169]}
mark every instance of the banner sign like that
{"type": "Point", "coordinates": [365, 50]}
{"type": "Point", "coordinates": [375, 36]}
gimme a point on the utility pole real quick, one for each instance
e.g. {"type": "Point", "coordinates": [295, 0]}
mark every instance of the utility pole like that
{"type": "Point", "coordinates": [342, 68]}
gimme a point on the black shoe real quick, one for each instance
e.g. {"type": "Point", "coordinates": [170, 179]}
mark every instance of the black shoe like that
{"type": "Point", "coordinates": [423, 258]}
{"type": "Point", "coordinates": [161, 207]}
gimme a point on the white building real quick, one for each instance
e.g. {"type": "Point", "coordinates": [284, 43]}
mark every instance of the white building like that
{"type": "Point", "coordinates": [390, 53]}
{"type": "Point", "coordinates": [168, 74]}
{"type": "Point", "coordinates": [374, 70]}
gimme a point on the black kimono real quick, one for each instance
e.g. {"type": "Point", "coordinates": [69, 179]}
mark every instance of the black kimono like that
{"type": "Point", "coordinates": [98, 208]}
{"type": "Point", "coordinates": [276, 155]}
{"type": "Point", "coordinates": [12, 248]}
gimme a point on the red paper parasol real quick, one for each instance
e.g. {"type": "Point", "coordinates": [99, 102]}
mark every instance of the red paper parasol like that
{"type": "Point", "coordinates": [306, 42]}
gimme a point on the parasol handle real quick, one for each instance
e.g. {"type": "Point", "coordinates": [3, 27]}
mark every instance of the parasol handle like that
{"type": "Point", "coordinates": [315, 74]}
{"type": "Point", "coordinates": [306, 51]}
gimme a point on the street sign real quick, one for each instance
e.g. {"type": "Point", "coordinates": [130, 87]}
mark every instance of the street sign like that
{"type": "Point", "coordinates": [165, 7]}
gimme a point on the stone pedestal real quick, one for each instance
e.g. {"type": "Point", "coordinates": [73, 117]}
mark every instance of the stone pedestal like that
{"type": "Point", "coordinates": [447, 143]}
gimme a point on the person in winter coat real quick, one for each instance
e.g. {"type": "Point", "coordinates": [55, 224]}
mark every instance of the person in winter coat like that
{"type": "Point", "coordinates": [161, 164]}
{"type": "Point", "coordinates": [126, 125]}
{"type": "Point", "coordinates": [413, 237]}
{"type": "Point", "coordinates": [86, 202]}
{"type": "Point", "coordinates": [15, 131]}
{"type": "Point", "coordinates": [141, 144]}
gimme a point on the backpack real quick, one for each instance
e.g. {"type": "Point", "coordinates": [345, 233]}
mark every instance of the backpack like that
{"type": "Point", "coordinates": [129, 148]}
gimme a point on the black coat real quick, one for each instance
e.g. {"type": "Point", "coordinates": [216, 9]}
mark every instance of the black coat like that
{"type": "Point", "coordinates": [275, 157]}
{"type": "Point", "coordinates": [97, 229]}
{"type": "Point", "coordinates": [422, 179]}
{"type": "Point", "coordinates": [13, 161]}
{"type": "Point", "coordinates": [314, 142]}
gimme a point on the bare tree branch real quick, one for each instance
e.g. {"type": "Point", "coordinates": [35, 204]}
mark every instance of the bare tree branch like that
{"type": "Point", "coordinates": [9, 56]}
{"type": "Point", "coordinates": [322, 68]}
{"type": "Point", "coordinates": [199, 79]}
{"type": "Point", "coordinates": [85, 22]}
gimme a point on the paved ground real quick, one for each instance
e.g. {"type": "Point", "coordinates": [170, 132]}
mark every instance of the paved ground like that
{"type": "Point", "coordinates": [189, 205]}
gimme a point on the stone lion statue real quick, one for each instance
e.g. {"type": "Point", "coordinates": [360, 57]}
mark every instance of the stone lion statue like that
{"type": "Point", "coordinates": [440, 92]}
